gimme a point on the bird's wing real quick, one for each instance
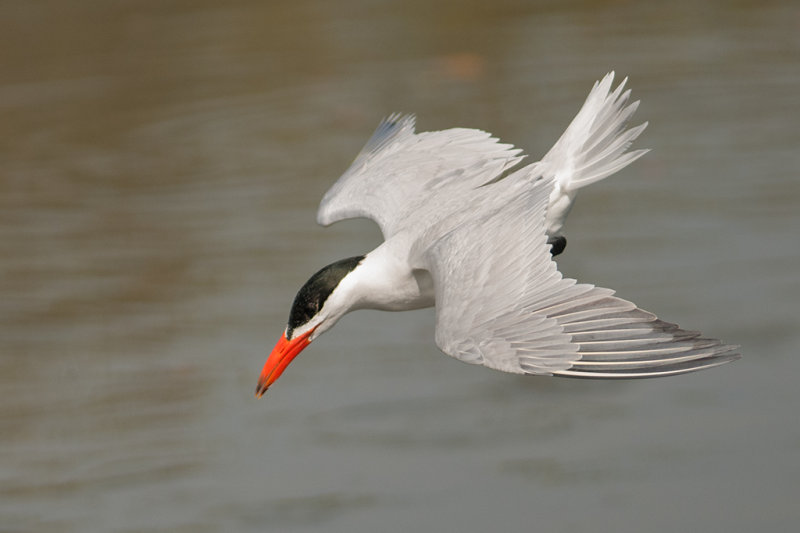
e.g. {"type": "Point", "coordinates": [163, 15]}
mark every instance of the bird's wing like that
{"type": "Point", "coordinates": [401, 178]}
{"type": "Point", "coordinates": [501, 302]}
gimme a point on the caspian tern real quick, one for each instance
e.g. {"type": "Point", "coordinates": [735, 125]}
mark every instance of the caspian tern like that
{"type": "Point", "coordinates": [469, 229]}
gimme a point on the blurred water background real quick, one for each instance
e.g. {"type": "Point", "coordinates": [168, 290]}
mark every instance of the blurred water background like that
{"type": "Point", "coordinates": [160, 168]}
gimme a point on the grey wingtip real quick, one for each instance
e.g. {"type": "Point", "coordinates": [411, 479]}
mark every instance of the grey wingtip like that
{"type": "Point", "coordinates": [685, 367]}
{"type": "Point", "coordinates": [389, 130]}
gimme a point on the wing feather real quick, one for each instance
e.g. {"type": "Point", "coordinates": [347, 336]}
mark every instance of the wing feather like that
{"type": "Point", "coordinates": [401, 176]}
{"type": "Point", "coordinates": [501, 302]}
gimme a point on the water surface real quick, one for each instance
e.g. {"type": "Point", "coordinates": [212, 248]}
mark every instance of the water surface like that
{"type": "Point", "coordinates": [161, 168]}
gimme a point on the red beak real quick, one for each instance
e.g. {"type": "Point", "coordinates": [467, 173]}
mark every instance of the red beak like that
{"type": "Point", "coordinates": [279, 359]}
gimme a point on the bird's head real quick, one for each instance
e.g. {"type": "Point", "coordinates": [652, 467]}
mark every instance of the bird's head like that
{"type": "Point", "coordinates": [319, 304]}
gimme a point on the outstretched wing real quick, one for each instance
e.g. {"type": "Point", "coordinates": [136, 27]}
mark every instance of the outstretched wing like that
{"type": "Point", "coordinates": [501, 302]}
{"type": "Point", "coordinates": [399, 176]}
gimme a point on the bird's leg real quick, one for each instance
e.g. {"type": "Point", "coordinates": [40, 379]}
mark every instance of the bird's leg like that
{"type": "Point", "coordinates": [557, 244]}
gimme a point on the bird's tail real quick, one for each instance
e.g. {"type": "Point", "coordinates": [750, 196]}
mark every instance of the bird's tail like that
{"type": "Point", "coordinates": [593, 147]}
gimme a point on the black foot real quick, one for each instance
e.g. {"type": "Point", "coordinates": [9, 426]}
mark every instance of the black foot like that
{"type": "Point", "coordinates": [557, 244]}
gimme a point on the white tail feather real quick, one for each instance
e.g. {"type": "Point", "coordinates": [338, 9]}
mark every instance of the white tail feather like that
{"type": "Point", "coordinates": [592, 148]}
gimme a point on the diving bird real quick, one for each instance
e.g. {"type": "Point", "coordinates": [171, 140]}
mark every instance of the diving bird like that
{"type": "Point", "coordinates": [470, 229]}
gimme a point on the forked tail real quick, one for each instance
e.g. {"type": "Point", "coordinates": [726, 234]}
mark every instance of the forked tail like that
{"type": "Point", "coordinates": [592, 147]}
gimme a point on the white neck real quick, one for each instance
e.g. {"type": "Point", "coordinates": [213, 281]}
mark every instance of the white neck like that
{"type": "Point", "coordinates": [385, 281]}
{"type": "Point", "coordinates": [382, 280]}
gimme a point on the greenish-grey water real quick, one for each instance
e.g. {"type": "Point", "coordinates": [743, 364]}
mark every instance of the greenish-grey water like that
{"type": "Point", "coordinates": [160, 169]}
